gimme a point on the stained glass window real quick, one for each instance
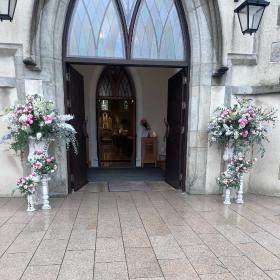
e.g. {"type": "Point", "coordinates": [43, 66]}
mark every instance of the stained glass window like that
{"type": "Point", "coordinates": [95, 30]}
{"type": "Point", "coordinates": [128, 8]}
{"type": "Point", "coordinates": [157, 32]}
{"type": "Point", "coordinates": [114, 82]}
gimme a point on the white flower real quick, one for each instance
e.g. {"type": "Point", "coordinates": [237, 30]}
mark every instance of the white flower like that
{"type": "Point", "coordinates": [22, 118]}
{"type": "Point", "coordinates": [228, 133]}
{"type": "Point", "coordinates": [225, 127]}
{"type": "Point", "coordinates": [39, 135]}
{"type": "Point", "coordinates": [65, 118]}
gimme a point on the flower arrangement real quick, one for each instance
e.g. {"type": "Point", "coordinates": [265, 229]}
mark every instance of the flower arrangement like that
{"type": "Point", "coordinates": [230, 179]}
{"type": "Point", "coordinates": [43, 164]}
{"type": "Point", "coordinates": [239, 128]}
{"type": "Point", "coordinates": [37, 118]}
{"type": "Point", "coordinates": [145, 124]}
{"type": "Point", "coordinates": [239, 165]}
{"type": "Point", "coordinates": [241, 125]}
{"type": "Point", "coordinates": [27, 185]}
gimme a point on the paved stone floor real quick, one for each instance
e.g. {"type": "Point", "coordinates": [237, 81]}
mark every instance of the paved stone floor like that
{"type": "Point", "coordinates": [154, 235]}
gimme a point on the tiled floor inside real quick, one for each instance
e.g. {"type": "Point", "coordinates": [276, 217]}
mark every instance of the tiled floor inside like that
{"type": "Point", "coordinates": [153, 235]}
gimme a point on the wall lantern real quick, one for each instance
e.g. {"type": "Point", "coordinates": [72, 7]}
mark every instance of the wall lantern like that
{"type": "Point", "coordinates": [250, 15]}
{"type": "Point", "coordinates": [7, 9]}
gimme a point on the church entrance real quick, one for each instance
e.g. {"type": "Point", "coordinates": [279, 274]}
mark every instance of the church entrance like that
{"type": "Point", "coordinates": [112, 103]}
{"type": "Point", "coordinates": [130, 61]}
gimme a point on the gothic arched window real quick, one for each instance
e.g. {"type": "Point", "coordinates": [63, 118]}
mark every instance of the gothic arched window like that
{"type": "Point", "coordinates": [114, 83]}
{"type": "Point", "coordinates": [128, 30]}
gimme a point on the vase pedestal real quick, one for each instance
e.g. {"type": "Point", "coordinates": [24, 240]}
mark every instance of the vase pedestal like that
{"type": "Point", "coordinates": [30, 203]}
{"type": "Point", "coordinates": [227, 197]}
{"type": "Point", "coordinates": [239, 199]}
{"type": "Point", "coordinates": [45, 193]}
{"type": "Point", "coordinates": [228, 153]}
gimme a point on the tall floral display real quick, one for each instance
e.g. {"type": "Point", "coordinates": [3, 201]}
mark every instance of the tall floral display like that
{"type": "Point", "coordinates": [37, 119]}
{"type": "Point", "coordinates": [239, 129]}
{"type": "Point", "coordinates": [34, 125]}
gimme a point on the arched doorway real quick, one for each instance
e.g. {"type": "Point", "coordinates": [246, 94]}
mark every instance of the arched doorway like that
{"type": "Point", "coordinates": [48, 50]}
{"type": "Point", "coordinates": [131, 33]}
{"type": "Point", "coordinates": [116, 127]}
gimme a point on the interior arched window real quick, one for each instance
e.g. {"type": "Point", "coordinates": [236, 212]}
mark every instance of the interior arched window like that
{"type": "Point", "coordinates": [114, 83]}
{"type": "Point", "coordinates": [127, 29]}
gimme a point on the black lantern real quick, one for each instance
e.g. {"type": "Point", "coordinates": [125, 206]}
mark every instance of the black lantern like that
{"type": "Point", "coordinates": [7, 9]}
{"type": "Point", "coordinates": [250, 15]}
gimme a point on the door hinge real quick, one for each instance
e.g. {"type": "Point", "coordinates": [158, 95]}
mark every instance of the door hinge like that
{"type": "Point", "coordinates": [182, 129]}
{"type": "Point", "coordinates": [68, 77]}
{"type": "Point", "coordinates": [181, 177]}
{"type": "Point", "coordinates": [184, 105]}
{"type": "Point", "coordinates": [185, 80]}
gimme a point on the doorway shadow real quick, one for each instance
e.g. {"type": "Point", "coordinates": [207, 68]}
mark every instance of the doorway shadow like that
{"type": "Point", "coordinates": [125, 174]}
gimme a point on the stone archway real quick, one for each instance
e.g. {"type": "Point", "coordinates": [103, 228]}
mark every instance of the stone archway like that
{"type": "Point", "coordinates": [45, 63]}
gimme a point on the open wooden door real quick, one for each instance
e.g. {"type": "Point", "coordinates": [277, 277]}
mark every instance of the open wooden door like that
{"type": "Point", "coordinates": [176, 131]}
{"type": "Point", "coordinates": [75, 106]}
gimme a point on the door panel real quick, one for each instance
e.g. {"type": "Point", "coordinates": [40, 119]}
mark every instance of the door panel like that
{"type": "Point", "coordinates": [176, 138]}
{"type": "Point", "coordinates": [75, 104]}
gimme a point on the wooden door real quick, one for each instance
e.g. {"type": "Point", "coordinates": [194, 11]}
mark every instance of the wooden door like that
{"type": "Point", "coordinates": [177, 129]}
{"type": "Point", "coordinates": [75, 105]}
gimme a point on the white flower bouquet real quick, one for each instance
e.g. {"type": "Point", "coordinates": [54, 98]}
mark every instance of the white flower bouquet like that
{"type": "Point", "coordinates": [230, 179]}
{"type": "Point", "coordinates": [27, 185]}
{"type": "Point", "coordinates": [241, 125]}
{"type": "Point", "coordinates": [37, 118]}
{"type": "Point", "coordinates": [42, 164]}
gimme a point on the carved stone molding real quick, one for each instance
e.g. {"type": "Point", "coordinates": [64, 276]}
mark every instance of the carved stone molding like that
{"type": "Point", "coordinates": [33, 62]}
{"type": "Point", "coordinates": [256, 90]}
{"type": "Point", "coordinates": [243, 59]}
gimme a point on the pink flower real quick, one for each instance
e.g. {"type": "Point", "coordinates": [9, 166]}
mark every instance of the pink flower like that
{"type": "Point", "coordinates": [226, 113]}
{"type": "Point", "coordinates": [37, 165]}
{"type": "Point", "coordinates": [38, 152]}
{"type": "Point", "coordinates": [246, 115]}
{"type": "Point", "coordinates": [242, 123]}
{"type": "Point", "coordinates": [48, 119]}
